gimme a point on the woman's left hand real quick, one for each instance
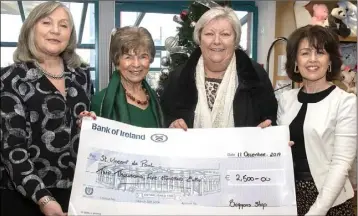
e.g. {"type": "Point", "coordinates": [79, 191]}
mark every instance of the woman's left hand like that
{"type": "Point", "coordinates": [265, 123]}
{"type": "Point", "coordinates": [84, 114]}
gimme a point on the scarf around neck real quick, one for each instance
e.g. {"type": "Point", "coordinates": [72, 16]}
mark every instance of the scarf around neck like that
{"type": "Point", "coordinates": [221, 116]}
{"type": "Point", "coordinates": [114, 102]}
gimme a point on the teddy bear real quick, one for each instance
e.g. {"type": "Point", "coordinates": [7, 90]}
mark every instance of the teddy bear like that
{"type": "Point", "coordinates": [335, 22]}
{"type": "Point", "coordinates": [349, 78]}
{"type": "Point", "coordinates": [320, 14]}
{"type": "Point", "coordinates": [351, 18]}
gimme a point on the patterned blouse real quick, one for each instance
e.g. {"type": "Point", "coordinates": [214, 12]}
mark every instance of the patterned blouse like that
{"type": "Point", "coordinates": [39, 135]}
{"type": "Point", "coordinates": [211, 88]}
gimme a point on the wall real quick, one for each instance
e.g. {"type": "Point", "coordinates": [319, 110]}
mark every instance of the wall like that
{"type": "Point", "coordinates": [266, 32]}
{"type": "Point", "coordinates": [285, 25]}
{"type": "Point", "coordinates": [106, 24]}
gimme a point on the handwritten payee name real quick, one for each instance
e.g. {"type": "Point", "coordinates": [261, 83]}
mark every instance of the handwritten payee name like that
{"type": "Point", "coordinates": [114, 160]}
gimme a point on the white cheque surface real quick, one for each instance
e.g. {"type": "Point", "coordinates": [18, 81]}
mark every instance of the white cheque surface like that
{"type": "Point", "coordinates": [127, 170]}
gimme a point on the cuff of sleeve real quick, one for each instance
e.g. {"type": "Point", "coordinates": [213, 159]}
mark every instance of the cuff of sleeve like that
{"type": "Point", "coordinates": [41, 193]}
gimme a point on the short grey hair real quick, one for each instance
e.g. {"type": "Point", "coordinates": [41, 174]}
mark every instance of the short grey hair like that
{"type": "Point", "coordinates": [217, 13]}
{"type": "Point", "coordinates": [124, 40]}
{"type": "Point", "coordinates": [26, 50]}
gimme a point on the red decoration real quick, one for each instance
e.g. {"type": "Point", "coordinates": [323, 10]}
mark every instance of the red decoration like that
{"type": "Point", "coordinates": [184, 15]}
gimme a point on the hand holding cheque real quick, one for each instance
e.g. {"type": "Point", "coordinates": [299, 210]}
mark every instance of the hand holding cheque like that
{"type": "Point", "coordinates": [124, 170]}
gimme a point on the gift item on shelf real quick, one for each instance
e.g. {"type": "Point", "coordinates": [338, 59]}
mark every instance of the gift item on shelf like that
{"type": "Point", "coordinates": [351, 18]}
{"type": "Point", "coordinates": [349, 54]}
{"type": "Point", "coordinates": [320, 14]}
{"type": "Point", "coordinates": [335, 22]}
{"type": "Point", "coordinates": [348, 80]}
{"type": "Point", "coordinates": [340, 16]}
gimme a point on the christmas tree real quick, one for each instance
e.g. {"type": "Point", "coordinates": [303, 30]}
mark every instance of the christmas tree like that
{"type": "Point", "coordinates": [180, 46]}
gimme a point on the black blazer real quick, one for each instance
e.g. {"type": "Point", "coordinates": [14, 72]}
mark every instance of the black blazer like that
{"type": "Point", "coordinates": [254, 100]}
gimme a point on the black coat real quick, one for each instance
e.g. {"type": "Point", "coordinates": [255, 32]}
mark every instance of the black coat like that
{"type": "Point", "coordinates": [254, 99]}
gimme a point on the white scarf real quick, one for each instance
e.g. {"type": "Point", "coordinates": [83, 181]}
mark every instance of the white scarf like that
{"type": "Point", "coordinates": [221, 115]}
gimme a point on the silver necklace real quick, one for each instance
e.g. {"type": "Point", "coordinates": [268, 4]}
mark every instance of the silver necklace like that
{"type": "Point", "coordinates": [60, 76]}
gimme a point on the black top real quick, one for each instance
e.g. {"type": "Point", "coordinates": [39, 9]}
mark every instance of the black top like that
{"type": "Point", "coordinates": [301, 168]}
{"type": "Point", "coordinates": [254, 99]}
{"type": "Point", "coordinates": [39, 135]}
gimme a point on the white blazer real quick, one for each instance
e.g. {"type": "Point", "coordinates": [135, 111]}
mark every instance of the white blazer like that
{"type": "Point", "coordinates": [330, 131]}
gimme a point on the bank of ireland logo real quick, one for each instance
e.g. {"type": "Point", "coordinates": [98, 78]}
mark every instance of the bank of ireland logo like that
{"type": "Point", "coordinates": [89, 190]}
{"type": "Point", "coordinates": [159, 137]}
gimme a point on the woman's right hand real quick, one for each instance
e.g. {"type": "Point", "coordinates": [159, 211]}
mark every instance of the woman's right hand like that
{"type": "Point", "coordinates": [84, 114]}
{"type": "Point", "coordinates": [52, 208]}
{"type": "Point", "coordinates": [179, 123]}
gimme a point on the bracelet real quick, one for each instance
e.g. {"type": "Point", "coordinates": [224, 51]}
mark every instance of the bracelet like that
{"type": "Point", "coordinates": [46, 200]}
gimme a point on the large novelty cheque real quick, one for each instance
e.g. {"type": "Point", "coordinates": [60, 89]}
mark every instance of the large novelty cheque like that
{"type": "Point", "coordinates": [127, 170]}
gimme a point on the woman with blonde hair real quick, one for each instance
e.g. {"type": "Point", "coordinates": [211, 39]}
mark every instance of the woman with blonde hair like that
{"type": "Point", "coordinates": [42, 94]}
{"type": "Point", "coordinates": [219, 86]}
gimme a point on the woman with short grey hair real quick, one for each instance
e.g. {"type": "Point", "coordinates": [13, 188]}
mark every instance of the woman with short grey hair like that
{"type": "Point", "coordinates": [216, 13]}
{"type": "Point", "coordinates": [42, 94]}
{"type": "Point", "coordinates": [128, 97]}
{"type": "Point", "coordinates": [219, 86]}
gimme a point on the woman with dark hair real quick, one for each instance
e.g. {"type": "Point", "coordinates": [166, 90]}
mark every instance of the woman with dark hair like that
{"type": "Point", "coordinates": [322, 121]}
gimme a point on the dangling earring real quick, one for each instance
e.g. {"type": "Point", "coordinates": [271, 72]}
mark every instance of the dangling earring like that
{"type": "Point", "coordinates": [329, 68]}
{"type": "Point", "coordinates": [296, 68]}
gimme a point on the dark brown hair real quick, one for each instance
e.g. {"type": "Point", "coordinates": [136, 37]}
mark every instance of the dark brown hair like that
{"type": "Point", "coordinates": [320, 38]}
{"type": "Point", "coordinates": [128, 38]}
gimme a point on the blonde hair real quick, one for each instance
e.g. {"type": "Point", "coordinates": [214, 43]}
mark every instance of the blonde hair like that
{"type": "Point", "coordinates": [26, 48]}
{"type": "Point", "coordinates": [217, 13]}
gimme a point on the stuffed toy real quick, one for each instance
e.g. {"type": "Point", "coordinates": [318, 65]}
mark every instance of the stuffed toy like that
{"type": "Point", "coordinates": [320, 14]}
{"type": "Point", "coordinates": [335, 22]}
{"type": "Point", "coordinates": [340, 84]}
{"type": "Point", "coordinates": [349, 79]}
{"type": "Point", "coordinates": [351, 18]}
